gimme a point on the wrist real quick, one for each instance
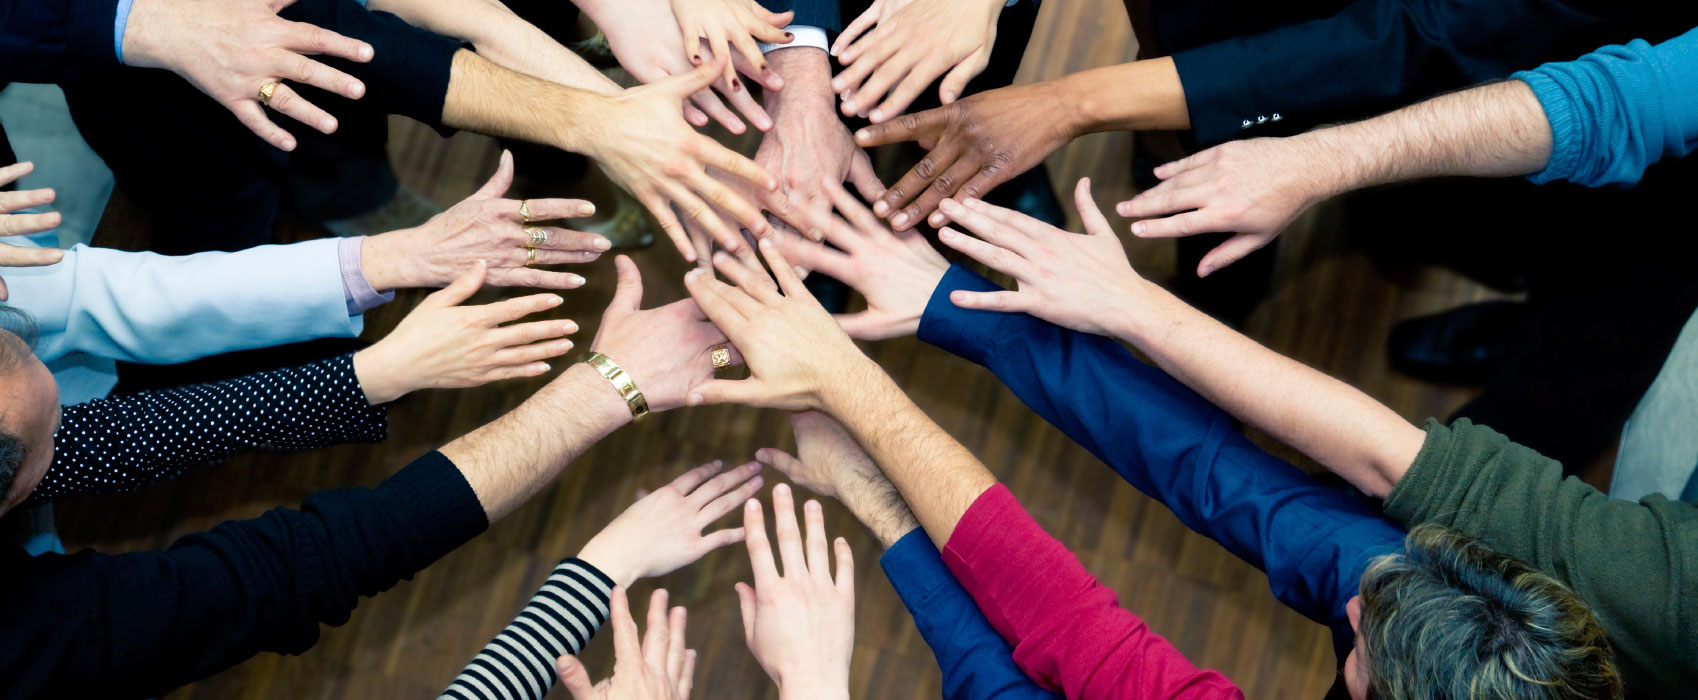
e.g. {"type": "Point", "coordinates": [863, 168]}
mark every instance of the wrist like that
{"type": "Point", "coordinates": [1138, 96]}
{"type": "Point", "coordinates": [856, 377]}
{"type": "Point", "coordinates": [377, 376]}
{"type": "Point", "coordinates": [386, 267]}
{"type": "Point", "coordinates": [610, 559]}
{"type": "Point", "coordinates": [815, 684]}
{"type": "Point", "coordinates": [590, 392]}
{"type": "Point", "coordinates": [1158, 312]}
{"type": "Point", "coordinates": [806, 71]}
{"type": "Point", "coordinates": [875, 502]}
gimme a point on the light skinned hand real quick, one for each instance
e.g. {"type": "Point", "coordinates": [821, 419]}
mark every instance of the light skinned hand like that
{"type": "Point", "coordinates": [826, 456]}
{"type": "Point", "coordinates": [1078, 281]}
{"type": "Point", "coordinates": [656, 668]}
{"type": "Point", "coordinates": [799, 624]}
{"type": "Point", "coordinates": [976, 144]}
{"type": "Point", "coordinates": [808, 142]}
{"type": "Point", "coordinates": [902, 56]}
{"type": "Point", "coordinates": [724, 25]}
{"type": "Point", "coordinates": [875, 14]}
{"type": "Point", "coordinates": [444, 345]}
{"type": "Point", "coordinates": [229, 48]}
{"type": "Point", "coordinates": [24, 224]}
{"type": "Point", "coordinates": [666, 350]}
{"type": "Point", "coordinates": [662, 531]}
{"type": "Point", "coordinates": [660, 160]}
{"type": "Point", "coordinates": [484, 227]}
{"type": "Point", "coordinates": [1253, 188]}
{"type": "Point", "coordinates": [896, 273]}
{"type": "Point", "coordinates": [795, 351]}
{"type": "Point", "coordinates": [646, 40]}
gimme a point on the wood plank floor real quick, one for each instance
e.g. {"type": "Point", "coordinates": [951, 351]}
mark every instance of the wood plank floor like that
{"type": "Point", "coordinates": [1330, 308]}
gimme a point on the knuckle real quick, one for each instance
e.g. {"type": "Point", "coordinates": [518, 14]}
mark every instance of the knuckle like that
{"type": "Point", "coordinates": [926, 168]}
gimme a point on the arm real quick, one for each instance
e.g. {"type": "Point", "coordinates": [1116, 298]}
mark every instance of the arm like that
{"type": "Point", "coordinates": [503, 37]}
{"type": "Point", "coordinates": [808, 142]}
{"type": "Point", "coordinates": [48, 42]}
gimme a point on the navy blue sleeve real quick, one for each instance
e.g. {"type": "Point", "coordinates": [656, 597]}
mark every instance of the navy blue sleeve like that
{"type": "Point", "coordinates": [140, 624]}
{"type": "Point", "coordinates": [977, 663]}
{"type": "Point", "coordinates": [52, 41]}
{"type": "Point", "coordinates": [825, 14]}
{"type": "Point", "coordinates": [1312, 539]}
{"type": "Point", "coordinates": [410, 67]}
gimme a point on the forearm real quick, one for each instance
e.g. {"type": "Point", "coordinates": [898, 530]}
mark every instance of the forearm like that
{"type": "Point", "coordinates": [512, 457]}
{"type": "Point", "coordinates": [1333, 423]}
{"type": "Point", "coordinates": [560, 619]}
{"type": "Point", "coordinates": [503, 37]}
{"type": "Point", "coordinates": [493, 100]}
{"type": "Point", "coordinates": [1137, 96]}
{"type": "Point", "coordinates": [807, 83]}
{"type": "Point", "coordinates": [876, 503]}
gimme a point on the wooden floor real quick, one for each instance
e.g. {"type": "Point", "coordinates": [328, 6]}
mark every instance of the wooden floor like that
{"type": "Point", "coordinates": [1330, 309]}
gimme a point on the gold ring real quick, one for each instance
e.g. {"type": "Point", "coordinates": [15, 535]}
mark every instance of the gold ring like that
{"type": "Point", "coordinates": [266, 91]}
{"type": "Point", "coordinates": [539, 237]}
{"type": "Point", "coordinates": [525, 209]}
{"type": "Point", "coordinates": [721, 357]}
{"type": "Point", "coordinates": [530, 257]}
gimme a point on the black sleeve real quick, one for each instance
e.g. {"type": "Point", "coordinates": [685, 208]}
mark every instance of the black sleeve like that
{"type": "Point", "coordinates": [409, 70]}
{"type": "Point", "coordinates": [1377, 55]}
{"type": "Point", "coordinates": [825, 14]}
{"type": "Point", "coordinates": [50, 41]}
{"type": "Point", "coordinates": [118, 444]}
{"type": "Point", "coordinates": [138, 625]}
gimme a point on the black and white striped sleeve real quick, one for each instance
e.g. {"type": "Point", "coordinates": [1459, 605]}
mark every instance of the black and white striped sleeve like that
{"type": "Point", "coordinates": [519, 663]}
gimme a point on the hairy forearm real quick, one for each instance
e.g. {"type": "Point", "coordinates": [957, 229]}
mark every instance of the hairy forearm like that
{"type": "Point", "coordinates": [876, 503]}
{"type": "Point", "coordinates": [807, 83]}
{"type": "Point", "coordinates": [1495, 130]}
{"type": "Point", "coordinates": [503, 37]}
{"type": "Point", "coordinates": [1332, 422]}
{"type": "Point", "coordinates": [937, 477]}
{"type": "Point", "coordinates": [490, 99]}
{"type": "Point", "coordinates": [514, 456]}
{"type": "Point", "coordinates": [1138, 96]}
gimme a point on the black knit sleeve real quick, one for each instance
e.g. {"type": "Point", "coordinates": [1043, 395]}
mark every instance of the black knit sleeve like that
{"type": "Point", "coordinates": [519, 663]}
{"type": "Point", "coordinates": [118, 444]}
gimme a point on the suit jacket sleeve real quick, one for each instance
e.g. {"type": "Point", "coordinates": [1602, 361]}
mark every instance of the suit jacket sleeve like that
{"type": "Point", "coordinates": [52, 41]}
{"type": "Point", "coordinates": [825, 14]}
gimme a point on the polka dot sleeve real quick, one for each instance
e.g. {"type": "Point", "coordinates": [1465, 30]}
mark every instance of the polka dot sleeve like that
{"type": "Point", "coordinates": [118, 444]}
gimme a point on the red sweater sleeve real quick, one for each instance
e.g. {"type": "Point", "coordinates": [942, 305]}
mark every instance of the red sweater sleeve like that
{"type": "Point", "coordinates": [1068, 631]}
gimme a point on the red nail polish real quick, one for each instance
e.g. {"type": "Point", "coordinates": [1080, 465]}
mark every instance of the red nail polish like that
{"type": "Point", "coordinates": [736, 85]}
{"type": "Point", "coordinates": [697, 60]}
{"type": "Point", "coordinates": [788, 36]}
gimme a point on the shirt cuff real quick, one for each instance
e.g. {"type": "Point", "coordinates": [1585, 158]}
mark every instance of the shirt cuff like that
{"type": "Point", "coordinates": [805, 36]}
{"type": "Point", "coordinates": [432, 499]}
{"type": "Point", "coordinates": [118, 23]}
{"type": "Point", "coordinates": [915, 569]}
{"type": "Point", "coordinates": [356, 290]}
{"type": "Point", "coordinates": [968, 333]}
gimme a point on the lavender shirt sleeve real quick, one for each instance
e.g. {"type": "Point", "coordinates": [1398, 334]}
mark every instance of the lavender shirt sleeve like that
{"type": "Point", "coordinates": [358, 292]}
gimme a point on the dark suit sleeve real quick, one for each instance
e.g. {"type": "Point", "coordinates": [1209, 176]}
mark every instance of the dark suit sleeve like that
{"type": "Point", "coordinates": [409, 70]}
{"type": "Point", "coordinates": [1376, 55]}
{"type": "Point", "coordinates": [825, 14]}
{"type": "Point", "coordinates": [50, 41]}
{"type": "Point", "coordinates": [138, 625]}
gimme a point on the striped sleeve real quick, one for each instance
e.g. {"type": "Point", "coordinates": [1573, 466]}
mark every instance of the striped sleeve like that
{"type": "Point", "coordinates": [519, 663]}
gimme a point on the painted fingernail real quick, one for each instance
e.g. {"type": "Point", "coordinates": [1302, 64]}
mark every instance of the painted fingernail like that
{"type": "Point", "coordinates": [736, 85]}
{"type": "Point", "coordinates": [878, 115]}
{"type": "Point", "coordinates": [880, 208]}
{"type": "Point", "coordinates": [1138, 229]}
{"type": "Point", "coordinates": [601, 243]}
{"type": "Point", "coordinates": [789, 37]}
{"type": "Point", "coordinates": [569, 327]}
{"type": "Point", "coordinates": [575, 279]}
{"type": "Point", "coordinates": [696, 60]}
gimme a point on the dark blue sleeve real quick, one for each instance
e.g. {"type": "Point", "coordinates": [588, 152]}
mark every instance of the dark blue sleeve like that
{"type": "Point", "coordinates": [52, 41]}
{"type": "Point", "coordinates": [977, 663]}
{"type": "Point", "coordinates": [1312, 539]}
{"type": "Point", "coordinates": [1617, 110]}
{"type": "Point", "coordinates": [825, 14]}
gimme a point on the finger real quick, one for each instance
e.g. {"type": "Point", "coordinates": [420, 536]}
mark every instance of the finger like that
{"type": "Point", "coordinates": [866, 21]}
{"type": "Point", "coordinates": [14, 171]}
{"type": "Point", "coordinates": [252, 116]}
{"type": "Point", "coordinates": [661, 208]}
{"type": "Point", "coordinates": [992, 256]}
{"type": "Point", "coordinates": [1182, 224]}
{"type": "Point", "coordinates": [1233, 250]}
{"type": "Point", "coordinates": [1095, 223]}
{"type": "Point", "coordinates": [626, 640]}
{"type": "Point", "coordinates": [20, 256]}
{"type": "Point", "coordinates": [657, 632]}
{"type": "Point", "coordinates": [955, 81]}
{"type": "Point", "coordinates": [864, 177]}
{"type": "Point", "coordinates": [735, 163]}
{"type": "Point", "coordinates": [575, 677]}
{"type": "Point", "coordinates": [746, 605]}
{"type": "Point", "coordinates": [709, 103]}
{"type": "Point", "coordinates": [745, 102]}
{"type": "Point", "coordinates": [869, 93]}
{"type": "Point", "coordinates": [745, 392]}
{"type": "Point", "coordinates": [24, 199]}
{"type": "Point", "coordinates": [695, 116]}
{"type": "Point", "coordinates": [751, 51]}
{"type": "Point", "coordinates": [722, 53]}
{"type": "Point", "coordinates": [788, 534]}
{"type": "Point", "coordinates": [734, 204]}
{"type": "Point", "coordinates": [943, 187]}
{"type": "Point", "coordinates": [785, 273]}
{"type": "Point", "coordinates": [1191, 162]}
{"type": "Point", "coordinates": [687, 482]}
{"type": "Point", "coordinates": [916, 181]}
{"type": "Point", "coordinates": [461, 289]}
{"type": "Point", "coordinates": [864, 325]}
{"type": "Point", "coordinates": [817, 257]}
{"type": "Point", "coordinates": [543, 209]}
{"type": "Point", "coordinates": [628, 291]}
{"type": "Point", "coordinates": [310, 39]}
{"type": "Point", "coordinates": [819, 563]}
{"type": "Point", "coordinates": [760, 549]}
{"type": "Point", "coordinates": [908, 127]}
{"type": "Point", "coordinates": [725, 503]}
{"type": "Point", "coordinates": [542, 279]}
{"type": "Point", "coordinates": [21, 224]}
{"type": "Point", "coordinates": [688, 681]}
{"type": "Point", "coordinates": [988, 301]}
{"type": "Point", "coordinates": [711, 296]}
{"type": "Point", "coordinates": [904, 94]}
{"type": "Point", "coordinates": [675, 646]}
{"type": "Point", "coordinates": [285, 101]}
{"type": "Point", "coordinates": [525, 356]}
{"type": "Point", "coordinates": [307, 71]}
{"type": "Point", "coordinates": [755, 281]}
{"type": "Point", "coordinates": [1165, 198]}
{"type": "Point", "coordinates": [500, 181]}
{"type": "Point", "coordinates": [845, 567]}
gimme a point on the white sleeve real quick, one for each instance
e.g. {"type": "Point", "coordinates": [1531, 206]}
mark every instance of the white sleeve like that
{"type": "Point", "coordinates": [806, 35]}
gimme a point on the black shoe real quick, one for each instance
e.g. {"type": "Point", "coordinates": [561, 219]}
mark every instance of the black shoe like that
{"type": "Point", "coordinates": [1465, 345]}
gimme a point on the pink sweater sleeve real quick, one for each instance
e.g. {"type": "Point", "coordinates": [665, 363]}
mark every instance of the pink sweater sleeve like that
{"type": "Point", "coordinates": [1068, 631]}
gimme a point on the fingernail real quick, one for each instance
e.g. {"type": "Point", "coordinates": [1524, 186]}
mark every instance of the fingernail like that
{"type": "Point", "coordinates": [568, 345]}
{"type": "Point", "coordinates": [800, 271]}
{"type": "Point", "coordinates": [539, 367]}
{"type": "Point", "coordinates": [1205, 271]}
{"type": "Point", "coordinates": [754, 466]}
{"type": "Point", "coordinates": [357, 90]}
{"type": "Point", "coordinates": [936, 220]}
{"type": "Point", "coordinates": [863, 134]}
{"type": "Point", "coordinates": [849, 106]}
{"type": "Point", "coordinates": [721, 257]}
{"type": "Point", "coordinates": [880, 208]}
{"type": "Point", "coordinates": [813, 506]}
{"type": "Point", "coordinates": [878, 115]}
{"type": "Point", "coordinates": [576, 279]}
{"type": "Point", "coordinates": [753, 504]}
{"type": "Point", "coordinates": [288, 144]}
{"type": "Point", "coordinates": [736, 85]}
{"type": "Point", "coordinates": [695, 400]}
{"type": "Point", "coordinates": [696, 60]}
{"type": "Point", "coordinates": [949, 205]}
{"type": "Point", "coordinates": [766, 243]}
{"type": "Point", "coordinates": [693, 274]}
{"type": "Point", "coordinates": [789, 37]}
{"type": "Point", "coordinates": [601, 243]}
{"type": "Point", "coordinates": [970, 202]}
{"type": "Point", "coordinates": [587, 210]}
{"type": "Point", "coordinates": [837, 84]}
{"type": "Point", "coordinates": [570, 327]}
{"type": "Point", "coordinates": [946, 234]}
{"type": "Point", "coordinates": [365, 53]}
{"type": "Point", "coordinates": [1123, 208]}
{"type": "Point", "coordinates": [1138, 229]}
{"type": "Point", "coordinates": [899, 221]}
{"type": "Point", "coordinates": [948, 97]}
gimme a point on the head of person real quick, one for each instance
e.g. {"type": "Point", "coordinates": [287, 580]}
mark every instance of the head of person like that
{"type": "Point", "coordinates": [1448, 618]}
{"type": "Point", "coordinates": [29, 410]}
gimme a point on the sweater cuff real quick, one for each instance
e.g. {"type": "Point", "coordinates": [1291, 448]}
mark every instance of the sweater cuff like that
{"type": "Point", "coordinates": [969, 333]}
{"type": "Point", "coordinates": [1566, 141]}
{"type": "Point", "coordinates": [1409, 498]}
{"type": "Point", "coordinates": [433, 499]}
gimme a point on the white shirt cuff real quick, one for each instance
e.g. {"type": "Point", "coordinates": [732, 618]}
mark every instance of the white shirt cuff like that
{"type": "Point", "coordinates": [805, 36]}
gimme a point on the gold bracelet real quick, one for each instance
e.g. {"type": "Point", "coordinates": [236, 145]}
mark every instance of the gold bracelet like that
{"type": "Point", "coordinates": [622, 383]}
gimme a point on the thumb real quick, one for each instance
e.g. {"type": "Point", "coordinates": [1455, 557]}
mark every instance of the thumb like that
{"type": "Point", "coordinates": [499, 182]}
{"type": "Point", "coordinates": [575, 677]}
{"type": "Point", "coordinates": [864, 325]}
{"type": "Point", "coordinates": [461, 289]}
{"type": "Point", "coordinates": [746, 605]}
{"type": "Point", "coordinates": [718, 391]}
{"type": "Point", "coordinates": [628, 293]}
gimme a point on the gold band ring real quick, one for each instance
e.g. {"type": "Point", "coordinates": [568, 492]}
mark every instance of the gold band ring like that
{"type": "Point", "coordinates": [721, 357]}
{"type": "Point", "coordinates": [530, 257]}
{"type": "Point", "coordinates": [266, 91]}
{"type": "Point", "coordinates": [539, 237]}
{"type": "Point", "coordinates": [525, 209]}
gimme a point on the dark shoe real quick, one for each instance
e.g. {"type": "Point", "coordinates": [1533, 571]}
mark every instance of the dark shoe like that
{"type": "Point", "coordinates": [1465, 345]}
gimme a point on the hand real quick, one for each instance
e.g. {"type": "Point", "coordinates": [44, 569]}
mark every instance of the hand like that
{"type": "Point", "coordinates": [660, 669]}
{"type": "Point", "coordinates": [721, 24]}
{"type": "Point", "coordinates": [666, 350]}
{"type": "Point", "coordinates": [656, 156]}
{"type": "Point", "coordinates": [829, 455]}
{"type": "Point", "coordinates": [443, 345]}
{"type": "Point", "coordinates": [800, 625]}
{"type": "Point", "coordinates": [646, 40]}
{"type": "Point", "coordinates": [230, 48]}
{"type": "Point", "coordinates": [24, 224]}
{"type": "Point", "coordinates": [979, 143]}
{"type": "Point", "coordinates": [1253, 188]}
{"type": "Point", "coordinates": [1072, 280]}
{"type": "Point", "coordinates": [895, 272]}
{"type": "Point", "coordinates": [662, 532]}
{"type": "Point", "coordinates": [875, 14]}
{"type": "Point", "coordinates": [920, 42]}
{"type": "Point", "coordinates": [809, 143]}
{"type": "Point", "coordinates": [796, 353]}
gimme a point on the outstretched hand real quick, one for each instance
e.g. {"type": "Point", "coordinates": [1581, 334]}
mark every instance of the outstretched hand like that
{"type": "Point", "coordinates": [662, 532]}
{"type": "Point", "coordinates": [800, 624]}
{"type": "Point", "coordinates": [646, 40]}
{"type": "Point", "coordinates": [666, 350]}
{"type": "Point", "coordinates": [902, 56]}
{"type": "Point", "coordinates": [656, 668]}
{"type": "Point", "coordinates": [723, 25]}
{"type": "Point", "coordinates": [1080, 281]}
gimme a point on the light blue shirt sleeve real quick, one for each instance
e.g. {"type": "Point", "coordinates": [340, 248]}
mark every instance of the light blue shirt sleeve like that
{"type": "Point", "coordinates": [1617, 110]}
{"type": "Point", "coordinates": [119, 21]}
